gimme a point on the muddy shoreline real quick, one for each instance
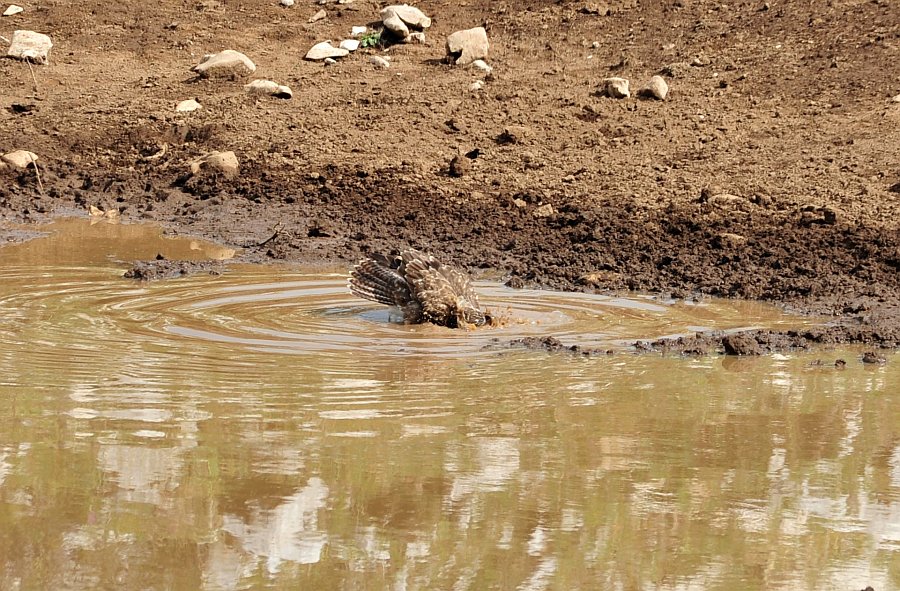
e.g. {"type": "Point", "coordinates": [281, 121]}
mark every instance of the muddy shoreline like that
{"type": "Point", "coordinates": [764, 175]}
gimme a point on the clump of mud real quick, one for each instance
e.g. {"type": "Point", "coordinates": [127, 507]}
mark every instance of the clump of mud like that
{"type": "Point", "coordinates": [551, 345]}
{"type": "Point", "coordinates": [162, 268]}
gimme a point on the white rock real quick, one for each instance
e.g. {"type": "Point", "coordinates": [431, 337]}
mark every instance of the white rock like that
{"type": "Point", "coordinates": [656, 88]}
{"type": "Point", "coordinates": [379, 61]}
{"type": "Point", "coordinates": [349, 44]}
{"type": "Point", "coordinates": [410, 15]}
{"type": "Point", "coordinates": [617, 87]}
{"type": "Point", "coordinates": [319, 16]}
{"type": "Point", "coordinates": [415, 37]}
{"type": "Point", "coordinates": [270, 88]}
{"type": "Point", "coordinates": [28, 45]}
{"type": "Point", "coordinates": [224, 162]}
{"type": "Point", "coordinates": [393, 23]}
{"type": "Point", "coordinates": [187, 106]}
{"type": "Point", "coordinates": [477, 85]}
{"type": "Point", "coordinates": [287, 3]}
{"type": "Point", "coordinates": [356, 31]}
{"type": "Point", "coordinates": [13, 9]}
{"type": "Point", "coordinates": [896, 99]}
{"type": "Point", "coordinates": [329, 61]}
{"type": "Point", "coordinates": [20, 159]}
{"type": "Point", "coordinates": [225, 64]}
{"type": "Point", "coordinates": [468, 45]}
{"type": "Point", "coordinates": [324, 50]}
{"type": "Point", "coordinates": [483, 66]}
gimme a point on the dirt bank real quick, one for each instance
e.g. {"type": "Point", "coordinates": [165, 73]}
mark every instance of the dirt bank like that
{"type": "Point", "coordinates": [770, 172]}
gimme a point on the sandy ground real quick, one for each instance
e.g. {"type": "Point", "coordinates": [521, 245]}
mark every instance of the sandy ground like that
{"type": "Point", "coordinates": [771, 171]}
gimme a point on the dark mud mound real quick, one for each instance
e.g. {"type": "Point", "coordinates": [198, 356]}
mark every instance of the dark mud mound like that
{"type": "Point", "coordinates": [165, 269]}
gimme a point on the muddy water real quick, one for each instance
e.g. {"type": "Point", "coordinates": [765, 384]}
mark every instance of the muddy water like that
{"type": "Point", "coordinates": [265, 429]}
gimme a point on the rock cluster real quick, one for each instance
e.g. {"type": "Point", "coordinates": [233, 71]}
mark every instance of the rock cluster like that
{"type": "Point", "coordinates": [620, 88]}
{"type": "Point", "coordinates": [403, 20]}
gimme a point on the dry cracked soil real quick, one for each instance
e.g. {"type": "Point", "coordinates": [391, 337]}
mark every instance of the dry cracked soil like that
{"type": "Point", "coordinates": [771, 171]}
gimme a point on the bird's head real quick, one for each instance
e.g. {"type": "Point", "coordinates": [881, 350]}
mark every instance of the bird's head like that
{"type": "Point", "coordinates": [468, 314]}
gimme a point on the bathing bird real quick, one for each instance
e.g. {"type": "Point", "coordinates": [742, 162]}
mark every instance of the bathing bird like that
{"type": "Point", "coordinates": [423, 288]}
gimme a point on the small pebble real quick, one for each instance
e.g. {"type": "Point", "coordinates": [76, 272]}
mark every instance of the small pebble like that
{"type": "Point", "coordinates": [483, 66]}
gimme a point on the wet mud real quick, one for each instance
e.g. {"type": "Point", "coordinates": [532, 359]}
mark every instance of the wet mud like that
{"type": "Point", "coordinates": [764, 175]}
{"type": "Point", "coordinates": [162, 268]}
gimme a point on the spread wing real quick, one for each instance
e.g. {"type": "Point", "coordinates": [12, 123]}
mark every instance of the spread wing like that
{"type": "Point", "coordinates": [373, 279]}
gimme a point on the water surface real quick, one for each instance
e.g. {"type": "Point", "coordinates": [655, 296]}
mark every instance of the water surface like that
{"type": "Point", "coordinates": [265, 429]}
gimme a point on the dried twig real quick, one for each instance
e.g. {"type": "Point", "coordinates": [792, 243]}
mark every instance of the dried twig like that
{"type": "Point", "coordinates": [33, 77]}
{"type": "Point", "coordinates": [37, 174]}
{"type": "Point", "coordinates": [276, 230]}
{"type": "Point", "coordinates": [4, 39]}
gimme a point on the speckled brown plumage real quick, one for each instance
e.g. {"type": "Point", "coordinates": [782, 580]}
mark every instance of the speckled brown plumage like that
{"type": "Point", "coordinates": [423, 288]}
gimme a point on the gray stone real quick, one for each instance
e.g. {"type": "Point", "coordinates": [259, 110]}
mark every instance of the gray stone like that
{"type": "Point", "coordinates": [13, 9]}
{"type": "Point", "coordinates": [415, 37]}
{"type": "Point", "coordinates": [657, 88]}
{"type": "Point", "coordinates": [31, 46]}
{"type": "Point", "coordinates": [616, 87]}
{"type": "Point", "coordinates": [379, 61]}
{"type": "Point", "coordinates": [410, 15]}
{"type": "Point", "coordinates": [393, 23]}
{"type": "Point", "coordinates": [319, 16]}
{"type": "Point", "coordinates": [467, 46]}
{"type": "Point", "coordinates": [325, 49]}
{"type": "Point", "coordinates": [225, 64]}
{"type": "Point", "coordinates": [350, 44]}
{"type": "Point", "coordinates": [270, 88]}
{"type": "Point", "coordinates": [19, 159]}
{"type": "Point", "coordinates": [223, 162]}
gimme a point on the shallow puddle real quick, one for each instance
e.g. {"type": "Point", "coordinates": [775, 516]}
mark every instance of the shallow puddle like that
{"type": "Point", "coordinates": [265, 429]}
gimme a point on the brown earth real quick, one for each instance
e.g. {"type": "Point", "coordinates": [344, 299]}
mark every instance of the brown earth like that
{"type": "Point", "coordinates": [772, 170]}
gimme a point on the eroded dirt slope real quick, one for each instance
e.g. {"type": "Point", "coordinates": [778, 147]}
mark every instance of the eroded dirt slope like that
{"type": "Point", "coordinates": [771, 171]}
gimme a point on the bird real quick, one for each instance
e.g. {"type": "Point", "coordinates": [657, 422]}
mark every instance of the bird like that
{"type": "Point", "coordinates": [423, 288]}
